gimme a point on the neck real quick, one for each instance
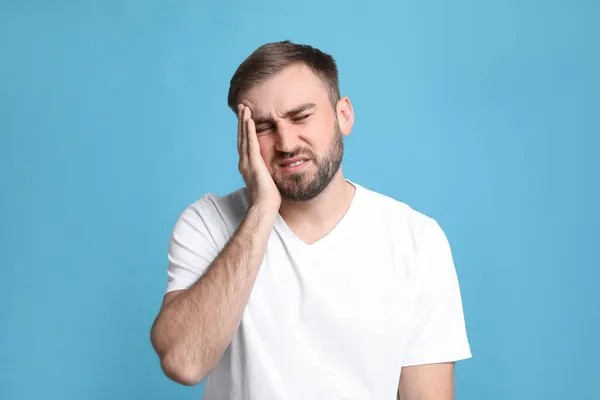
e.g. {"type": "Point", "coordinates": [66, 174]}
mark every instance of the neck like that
{"type": "Point", "coordinates": [328, 207]}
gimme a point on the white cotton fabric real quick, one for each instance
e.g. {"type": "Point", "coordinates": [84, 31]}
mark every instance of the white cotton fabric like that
{"type": "Point", "coordinates": [337, 319]}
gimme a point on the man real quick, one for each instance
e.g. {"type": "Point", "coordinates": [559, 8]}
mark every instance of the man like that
{"type": "Point", "coordinates": [304, 284]}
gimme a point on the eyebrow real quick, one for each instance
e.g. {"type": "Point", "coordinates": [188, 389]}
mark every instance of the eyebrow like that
{"type": "Point", "coordinates": [268, 118]}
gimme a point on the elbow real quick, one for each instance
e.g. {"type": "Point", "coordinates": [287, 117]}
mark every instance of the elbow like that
{"type": "Point", "coordinates": [177, 365]}
{"type": "Point", "coordinates": [181, 372]}
{"type": "Point", "coordinates": [173, 365]}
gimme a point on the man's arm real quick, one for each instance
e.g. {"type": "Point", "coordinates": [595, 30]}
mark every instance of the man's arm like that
{"type": "Point", "coordinates": [195, 326]}
{"type": "Point", "coordinates": [438, 337]}
{"type": "Point", "coordinates": [427, 382]}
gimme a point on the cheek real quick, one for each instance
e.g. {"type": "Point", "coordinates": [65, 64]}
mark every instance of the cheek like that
{"type": "Point", "coordinates": [320, 134]}
{"type": "Point", "coordinates": [266, 149]}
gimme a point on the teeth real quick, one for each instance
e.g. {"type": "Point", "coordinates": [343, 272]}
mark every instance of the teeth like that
{"type": "Point", "coordinates": [295, 163]}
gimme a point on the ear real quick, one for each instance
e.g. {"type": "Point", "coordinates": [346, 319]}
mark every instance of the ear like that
{"type": "Point", "coordinates": [345, 115]}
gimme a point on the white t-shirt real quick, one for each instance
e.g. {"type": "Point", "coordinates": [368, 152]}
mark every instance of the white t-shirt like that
{"type": "Point", "coordinates": [337, 319]}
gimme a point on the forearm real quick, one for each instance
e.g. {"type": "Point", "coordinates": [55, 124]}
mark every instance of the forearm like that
{"type": "Point", "coordinates": [427, 382]}
{"type": "Point", "coordinates": [193, 330]}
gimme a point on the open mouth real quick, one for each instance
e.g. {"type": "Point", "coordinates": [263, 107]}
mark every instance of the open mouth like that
{"type": "Point", "coordinates": [294, 164]}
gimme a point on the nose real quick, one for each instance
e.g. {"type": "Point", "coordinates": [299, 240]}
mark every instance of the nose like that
{"type": "Point", "coordinates": [287, 138]}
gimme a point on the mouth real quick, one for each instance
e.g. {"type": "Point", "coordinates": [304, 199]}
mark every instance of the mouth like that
{"type": "Point", "coordinates": [294, 164]}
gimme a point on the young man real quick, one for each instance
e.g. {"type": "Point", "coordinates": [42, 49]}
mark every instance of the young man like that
{"type": "Point", "coordinates": [304, 284]}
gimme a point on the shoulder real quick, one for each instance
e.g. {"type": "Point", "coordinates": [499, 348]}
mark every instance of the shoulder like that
{"type": "Point", "coordinates": [215, 213]}
{"type": "Point", "coordinates": [398, 215]}
{"type": "Point", "coordinates": [231, 203]}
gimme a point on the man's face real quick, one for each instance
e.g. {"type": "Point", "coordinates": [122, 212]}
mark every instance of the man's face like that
{"type": "Point", "coordinates": [298, 132]}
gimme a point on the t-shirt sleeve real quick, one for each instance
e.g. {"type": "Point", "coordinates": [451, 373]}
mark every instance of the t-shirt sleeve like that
{"type": "Point", "coordinates": [438, 331]}
{"type": "Point", "coordinates": [192, 248]}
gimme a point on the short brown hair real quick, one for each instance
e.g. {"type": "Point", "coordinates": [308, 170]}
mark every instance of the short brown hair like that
{"type": "Point", "coordinates": [271, 58]}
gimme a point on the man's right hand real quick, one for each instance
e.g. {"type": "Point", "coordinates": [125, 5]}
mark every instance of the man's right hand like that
{"type": "Point", "coordinates": [212, 308]}
{"type": "Point", "coordinates": [220, 294]}
{"type": "Point", "coordinates": [263, 191]}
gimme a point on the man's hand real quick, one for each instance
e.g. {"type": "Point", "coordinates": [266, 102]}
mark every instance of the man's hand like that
{"type": "Point", "coordinates": [196, 325]}
{"type": "Point", "coordinates": [260, 184]}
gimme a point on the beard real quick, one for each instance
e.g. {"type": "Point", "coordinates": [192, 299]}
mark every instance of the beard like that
{"type": "Point", "coordinates": [306, 185]}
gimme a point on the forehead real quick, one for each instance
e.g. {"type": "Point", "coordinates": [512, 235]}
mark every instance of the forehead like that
{"type": "Point", "coordinates": [294, 85]}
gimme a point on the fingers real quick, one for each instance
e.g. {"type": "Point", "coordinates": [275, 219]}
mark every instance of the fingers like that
{"type": "Point", "coordinates": [242, 137]}
{"type": "Point", "coordinates": [253, 147]}
{"type": "Point", "coordinates": [248, 146]}
{"type": "Point", "coordinates": [239, 128]}
{"type": "Point", "coordinates": [244, 153]}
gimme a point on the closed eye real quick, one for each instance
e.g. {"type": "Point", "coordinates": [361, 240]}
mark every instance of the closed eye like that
{"type": "Point", "coordinates": [301, 118]}
{"type": "Point", "coordinates": [261, 129]}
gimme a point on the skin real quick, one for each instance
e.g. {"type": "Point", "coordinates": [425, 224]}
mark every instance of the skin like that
{"type": "Point", "coordinates": [289, 115]}
{"type": "Point", "coordinates": [280, 133]}
{"type": "Point", "coordinates": [427, 382]}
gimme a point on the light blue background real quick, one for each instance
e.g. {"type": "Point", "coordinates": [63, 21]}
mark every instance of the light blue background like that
{"type": "Point", "coordinates": [113, 118]}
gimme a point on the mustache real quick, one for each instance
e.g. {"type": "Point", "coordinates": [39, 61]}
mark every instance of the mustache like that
{"type": "Point", "coordinates": [281, 156]}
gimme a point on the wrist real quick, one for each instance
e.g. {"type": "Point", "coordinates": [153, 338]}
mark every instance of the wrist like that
{"type": "Point", "coordinates": [263, 211]}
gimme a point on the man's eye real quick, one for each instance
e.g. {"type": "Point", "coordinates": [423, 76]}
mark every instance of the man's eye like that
{"type": "Point", "coordinates": [262, 129]}
{"type": "Point", "coordinates": [301, 118]}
